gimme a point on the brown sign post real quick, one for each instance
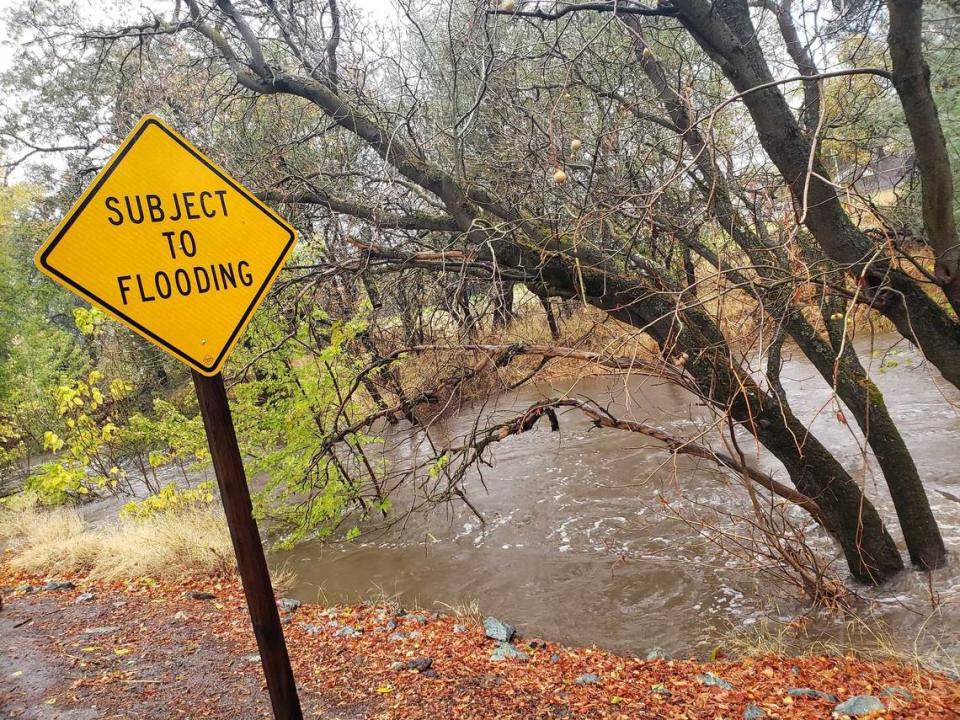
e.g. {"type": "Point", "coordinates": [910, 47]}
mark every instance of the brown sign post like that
{"type": "Point", "coordinates": [246, 544]}
{"type": "Point", "coordinates": [169, 244]}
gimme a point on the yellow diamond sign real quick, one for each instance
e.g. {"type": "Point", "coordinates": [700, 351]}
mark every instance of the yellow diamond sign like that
{"type": "Point", "coordinates": [169, 244]}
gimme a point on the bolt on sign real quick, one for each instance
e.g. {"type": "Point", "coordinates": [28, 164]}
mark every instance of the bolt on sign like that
{"type": "Point", "coordinates": [169, 244]}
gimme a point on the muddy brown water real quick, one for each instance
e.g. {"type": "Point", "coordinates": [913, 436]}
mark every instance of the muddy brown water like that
{"type": "Point", "coordinates": [583, 544]}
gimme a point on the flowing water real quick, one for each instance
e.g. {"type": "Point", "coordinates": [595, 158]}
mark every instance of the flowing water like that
{"type": "Point", "coordinates": [588, 538]}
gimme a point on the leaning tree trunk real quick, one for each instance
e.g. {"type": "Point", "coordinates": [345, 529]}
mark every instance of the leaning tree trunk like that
{"type": "Point", "coordinates": [865, 401]}
{"type": "Point", "coordinates": [844, 372]}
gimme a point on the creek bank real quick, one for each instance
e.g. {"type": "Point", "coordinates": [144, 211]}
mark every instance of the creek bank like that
{"type": "Point", "coordinates": [167, 653]}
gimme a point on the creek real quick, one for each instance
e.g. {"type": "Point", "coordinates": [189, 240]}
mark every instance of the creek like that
{"type": "Point", "coordinates": [587, 538]}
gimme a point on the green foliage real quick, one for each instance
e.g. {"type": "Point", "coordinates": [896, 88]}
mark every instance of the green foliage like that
{"type": "Point", "coordinates": [283, 417]}
{"type": "Point", "coordinates": [170, 500]}
{"type": "Point", "coordinates": [166, 437]}
{"type": "Point", "coordinates": [56, 483]}
{"type": "Point", "coordinates": [91, 439]}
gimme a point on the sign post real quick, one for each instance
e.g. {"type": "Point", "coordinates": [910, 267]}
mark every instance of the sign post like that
{"type": "Point", "coordinates": [251, 563]}
{"type": "Point", "coordinates": [169, 244]}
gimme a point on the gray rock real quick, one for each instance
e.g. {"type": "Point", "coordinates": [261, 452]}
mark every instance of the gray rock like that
{"type": "Point", "coordinates": [289, 604]}
{"type": "Point", "coordinates": [59, 585]}
{"type": "Point", "coordinates": [497, 630]}
{"type": "Point", "coordinates": [420, 664]}
{"type": "Point", "coordinates": [201, 595]}
{"type": "Point", "coordinates": [752, 712]}
{"type": "Point", "coordinates": [347, 631]}
{"type": "Point", "coordinates": [398, 637]}
{"type": "Point", "coordinates": [85, 597]}
{"type": "Point", "coordinates": [181, 615]}
{"type": "Point", "coordinates": [506, 651]}
{"type": "Point", "coordinates": [431, 673]}
{"type": "Point", "coordinates": [251, 658]}
{"type": "Point", "coordinates": [391, 625]}
{"type": "Point", "coordinates": [311, 629]}
{"type": "Point", "coordinates": [419, 619]}
{"type": "Point", "coordinates": [332, 624]}
{"type": "Point", "coordinates": [459, 629]}
{"type": "Point", "coordinates": [810, 692]}
{"type": "Point", "coordinates": [898, 692]}
{"type": "Point", "coordinates": [859, 706]}
{"type": "Point", "coordinates": [656, 654]}
{"type": "Point", "coordinates": [588, 679]}
{"type": "Point", "coordinates": [554, 658]}
{"type": "Point", "coordinates": [102, 630]}
{"type": "Point", "coordinates": [396, 665]}
{"type": "Point", "coordinates": [711, 679]}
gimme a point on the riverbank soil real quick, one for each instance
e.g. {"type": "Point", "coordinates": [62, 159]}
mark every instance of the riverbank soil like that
{"type": "Point", "coordinates": [145, 650]}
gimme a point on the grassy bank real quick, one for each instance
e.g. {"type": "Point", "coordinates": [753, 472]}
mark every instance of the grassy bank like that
{"type": "Point", "coordinates": [164, 546]}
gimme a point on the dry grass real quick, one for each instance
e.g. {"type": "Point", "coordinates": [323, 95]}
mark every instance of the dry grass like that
{"type": "Point", "coordinates": [167, 546]}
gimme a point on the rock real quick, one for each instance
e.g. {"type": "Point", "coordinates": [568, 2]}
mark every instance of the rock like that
{"type": "Point", "coordinates": [419, 619]}
{"type": "Point", "coordinates": [497, 630]}
{"type": "Point", "coordinates": [430, 673]}
{"type": "Point", "coordinates": [311, 629]}
{"type": "Point", "coordinates": [181, 615]}
{"type": "Point", "coordinates": [391, 625]}
{"type": "Point", "coordinates": [554, 658]}
{"type": "Point", "coordinates": [396, 665]}
{"type": "Point", "coordinates": [419, 664]}
{"type": "Point", "coordinates": [399, 612]}
{"type": "Point", "coordinates": [656, 654]}
{"type": "Point", "coordinates": [711, 679]}
{"type": "Point", "coordinates": [398, 637]}
{"type": "Point", "coordinates": [332, 624]}
{"type": "Point", "coordinates": [506, 651]}
{"type": "Point", "coordinates": [103, 630]}
{"type": "Point", "coordinates": [459, 629]}
{"type": "Point", "coordinates": [119, 603]}
{"type": "Point", "coordinates": [752, 712]}
{"type": "Point", "coordinates": [347, 631]}
{"type": "Point", "coordinates": [860, 705]}
{"type": "Point", "coordinates": [537, 645]}
{"type": "Point", "coordinates": [810, 692]}
{"type": "Point", "coordinates": [85, 597]}
{"type": "Point", "coordinates": [898, 692]}
{"type": "Point", "coordinates": [659, 689]}
{"type": "Point", "coordinates": [289, 604]}
{"type": "Point", "coordinates": [59, 585]}
{"type": "Point", "coordinates": [201, 595]}
{"type": "Point", "coordinates": [588, 679]}
{"type": "Point", "coordinates": [251, 658]}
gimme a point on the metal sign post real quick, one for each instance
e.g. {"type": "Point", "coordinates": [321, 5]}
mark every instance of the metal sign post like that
{"type": "Point", "coordinates": [166, 242]}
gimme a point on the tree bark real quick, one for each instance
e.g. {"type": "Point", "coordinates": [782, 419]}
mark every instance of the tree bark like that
{"type": "Point", "coordinates": [911, 78]}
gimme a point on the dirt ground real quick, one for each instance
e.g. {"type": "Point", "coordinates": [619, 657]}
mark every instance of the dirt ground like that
{"type": "Point", "coordinates": [148, 651]}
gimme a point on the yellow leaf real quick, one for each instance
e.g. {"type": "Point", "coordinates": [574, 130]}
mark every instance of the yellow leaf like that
{"type": "Point", "coordinates": [122, 651]}
{"type": "Point", "coordinates": [384, 689]}
{"type": "Point", "coordinates": [91, 648]}
{"type": "Point", "coordinates": [50, 701]}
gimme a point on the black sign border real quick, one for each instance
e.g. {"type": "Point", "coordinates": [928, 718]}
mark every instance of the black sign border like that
{"type": "Point", "coordinates": [100, 301]}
